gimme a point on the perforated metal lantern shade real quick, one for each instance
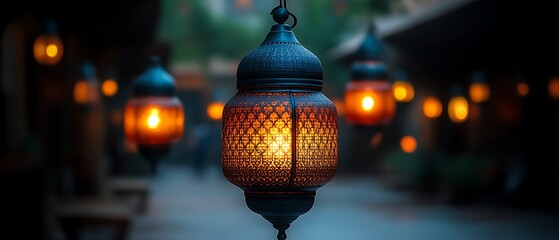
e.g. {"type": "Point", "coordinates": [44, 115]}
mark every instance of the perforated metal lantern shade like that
{"type": "Point", "coordinates": [279, 132]}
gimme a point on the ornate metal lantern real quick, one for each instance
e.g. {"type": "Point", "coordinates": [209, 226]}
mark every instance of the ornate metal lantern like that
{"type": "Point", "coordinates": [369, 101]}
{"type": "Point", "coordinates": [154, 116]}
{"type": "Point", "coordinates": [279, 132]}
{"type": "Point", "coordinates": [47, 47]}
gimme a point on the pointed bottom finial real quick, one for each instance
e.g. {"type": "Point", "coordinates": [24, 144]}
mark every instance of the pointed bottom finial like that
{"type": "Point", "coordinates": [280, 209]}
{"type": "Point", "coordinates": [281, 230]}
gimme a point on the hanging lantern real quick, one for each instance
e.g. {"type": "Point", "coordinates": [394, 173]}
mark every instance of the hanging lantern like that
{"type": "Point", "coordinates": [86, 88]}
{"type": "Point", "coordinates": [522, 87]}
{"type": "Point", "coordinates": [402, 89]}
{"type": "Point", "coordinates": [47, 47]}
{"type": "Point", "coordinates": [368, 97]}
{"type": "Point", "coordinates": [109, 87]}
{"type": "Point", "coordinates": [279, 132]}
{"type": "Point", "coordinates": [479, 89]}
{"type": "Point", "coordinates": [458, 107]}
{"type": "Point", "coordinates": [153, 117]}
{"type": "Point", "coordinates": [553, 88]}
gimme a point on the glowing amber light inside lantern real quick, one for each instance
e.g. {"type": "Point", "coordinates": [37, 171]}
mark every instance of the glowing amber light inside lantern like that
{"type": "Point", "coordinates": [109, 87]}
{"type": "Point", "coordinates": [48, 49]}
{"type": "Point", "coordinates": [153, 120]}
{"type": "Point", "coordinates": [279, 140]}
{"type": "Point", "coordinates": [52, 50]}
{"type": "Point", "coordinates": [458, 109]}
{"type": "Point", "coordinates": [523, 89]}
{"type": "Point", "coordinates": [553, 88]}
{"type": "Point", "coordinates": [369, 102]}
{"type": "Point", "coordinates": [215, 110]}
{"type": "Point", "coordinates": [432, 107]}
{"type": "Point", "coordinates": [479, 92]}
{"type": "Point", "coordinates": [408, 144]}
{"type": "Point", "coordinates": [403, 91]}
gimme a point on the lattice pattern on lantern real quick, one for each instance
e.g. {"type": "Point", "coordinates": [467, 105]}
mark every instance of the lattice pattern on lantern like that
{"type": "Point", "coordinates": [153, 120]}
{"type": "Point", "coordinates": [317, 139]}
{"type": "Point", "coordinates": [257, 140]}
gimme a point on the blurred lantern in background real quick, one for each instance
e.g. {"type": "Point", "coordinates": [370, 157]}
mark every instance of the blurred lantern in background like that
{"type": "Point", "coordinates": [408, 144]}
{"type": "Point", "coordinates": [369, 101]}
{"type": "Point", "coordinates": [279, 132]}
{"type": "Point", "coordinates": [458, 107]}
{"type": "Point", "coordinates": [553, 88]}
{"type": "Point", "coordinates": [86, 88]}
{"type": "Point", "coordinates": [215, 110]}
{"type": "Point", "coordinates": [402, 89]}
{"type": "Point", "coordinates": [432, 107]}
{"type": "Point", "coordinates": [109, 87]}
{"type": "Point", "coordinates": [522, 87]}
{"type": "Point", "coordinates": [479, 89]}
{"type": "Point", "coordinates": [48, 48]}
{"type": "Point", "coordinates": [154, 116]}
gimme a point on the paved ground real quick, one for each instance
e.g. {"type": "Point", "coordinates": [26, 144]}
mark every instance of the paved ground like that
{"type": "Point", "coordinates": [185, 207]}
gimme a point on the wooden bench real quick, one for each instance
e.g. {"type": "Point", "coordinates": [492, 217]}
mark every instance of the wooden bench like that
{"type": "Point", "coordinates": [77, 213]}
{"type": "Point", "coordinates": [135, 187]}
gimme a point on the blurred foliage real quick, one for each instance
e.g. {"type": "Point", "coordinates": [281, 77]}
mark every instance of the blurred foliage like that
{"type": "Point", "coordinates": [196, 33]}
{"type": "Point", "coordinates": [458, 176]}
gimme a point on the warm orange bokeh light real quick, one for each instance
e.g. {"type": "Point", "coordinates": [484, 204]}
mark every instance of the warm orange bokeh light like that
{"type": "Point", "coordinates": [84, 92]}
{"type": "Point", "coordinates": [458, 109]}
{"type": "Point", "coordinates": [153, 120]}
{"type": "Point", "coordinates": [408, 144]}
{"type": "Point", "coordinates": [432, 107]}
{"type": "Point", "coordinates": [403, 91]}
{"type": "Point", "coordinates": [243, 3]}
{"type": "Point", "coordinates": [553, 88]}
{"type": "Point", "coordinates": [523, 89]}
{"type": "Point", "coordinates": [479, 92]}
{"type": "Point", "coordinates": [109, 87]}
{"type": "Point", "coordinates": [48, 49]}
{"type": "Point", "coordinates": [369, 102]}
{"type": "Point", "coordinates": [215, 110]}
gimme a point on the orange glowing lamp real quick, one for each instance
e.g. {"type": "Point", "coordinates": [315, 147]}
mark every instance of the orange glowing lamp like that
{"type": "Point", "coordinates": [522, 88]}
{"type": "Point", "coordinates": [154, 116]}
{"type": "Point", "coordinates": [432, 107]}
{"type": "Point", "coordinates": [553, 88]}
{"type": "Point", "coordinates": [368, 96]}
{"type": "Point", "coordinates": [479, 89]}
{"type": "Point", "coordinates": [86, 88]}
{"type": "Point", "coordinates": [48, 48]}
{"type": "Point", "coordinates": [402, 89]}
{"type": "Point", "coordinates": [215, 110]}
{"type": "Point", "coordinates": [458, 109]}
{"type": "Point", "coordinates": [109, 87]}
{"type": "Point", "coordinates": [408, 144]}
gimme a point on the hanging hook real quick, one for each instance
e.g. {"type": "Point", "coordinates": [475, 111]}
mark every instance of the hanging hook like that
{"type": "Point", "coordinates": [283, 4]}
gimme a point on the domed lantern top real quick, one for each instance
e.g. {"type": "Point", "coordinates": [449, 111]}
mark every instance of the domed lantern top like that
{"type": "Point", "coordinates": [279, 132]}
